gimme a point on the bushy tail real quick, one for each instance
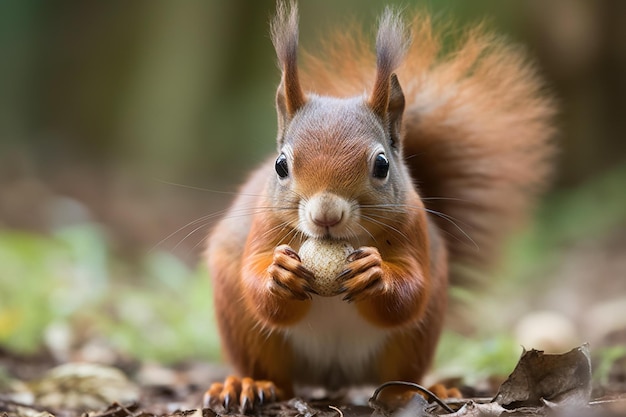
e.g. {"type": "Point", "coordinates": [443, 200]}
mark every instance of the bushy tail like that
{"type": "Point", "coordinates": [477, 128]}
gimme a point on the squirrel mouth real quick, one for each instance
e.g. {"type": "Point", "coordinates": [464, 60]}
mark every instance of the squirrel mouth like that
{"type": "Point", "coordinates": [337, 232]}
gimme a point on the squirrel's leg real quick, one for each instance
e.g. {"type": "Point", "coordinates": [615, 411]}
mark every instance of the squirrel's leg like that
{"type": "Point", "coordinates": [260, 354]}
{"type": "Point", "coordinates": [255, 347]}
{"type": "Point", "coordinates": [408, 354]}
{"type": "Point", "coordinates": [386, 293]}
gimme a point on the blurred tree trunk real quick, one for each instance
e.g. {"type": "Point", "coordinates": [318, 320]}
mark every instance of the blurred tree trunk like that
{"type": "Point", "coordinates": [582, 45]}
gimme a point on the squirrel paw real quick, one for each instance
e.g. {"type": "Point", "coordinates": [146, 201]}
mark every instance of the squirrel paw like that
{"type": "Point", "coordinates": [239, 395]}
{"type": "Point", "coordinates": [363, 274]}
{"type": "Point", "coordinates": [444, 392]}
{"type": "Point", "coordinates": [290, 279]}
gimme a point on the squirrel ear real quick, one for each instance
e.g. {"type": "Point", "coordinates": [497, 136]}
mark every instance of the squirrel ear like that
{"type": "Point", "coordinates": [281, 110]}
{"type": "Point", "coordinates": [395, 108]}
{"type": "Point", "coordinates": [392, 42]}
{"type": "Point", "coordinates": [284, 29]}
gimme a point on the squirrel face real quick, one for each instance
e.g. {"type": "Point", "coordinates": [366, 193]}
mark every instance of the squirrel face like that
{"type": "Point", "coordinates": [337, 165]}
{"type": "Point", "coordinates": [339, 160]}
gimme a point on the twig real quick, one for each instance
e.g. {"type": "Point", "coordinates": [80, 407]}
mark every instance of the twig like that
{"type": "Point", "coordinates": [415, 386]}
{"type": "Point", "coordinates": [332, 407]}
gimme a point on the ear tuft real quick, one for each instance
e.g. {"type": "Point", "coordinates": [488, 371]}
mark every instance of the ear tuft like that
{"type": "Point", "coordinates": [392, 43]}
{"type": "Point", "coordinates": [284, 32]}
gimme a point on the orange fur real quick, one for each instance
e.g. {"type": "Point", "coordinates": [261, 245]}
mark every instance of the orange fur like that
{"type": "Point", "coordinates": [477, 127]}
{"type": "Point", "coordinates": [466, 135]}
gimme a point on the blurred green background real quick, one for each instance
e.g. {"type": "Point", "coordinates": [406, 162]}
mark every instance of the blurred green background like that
{"type": "Point", "coordinates": [118, 117]}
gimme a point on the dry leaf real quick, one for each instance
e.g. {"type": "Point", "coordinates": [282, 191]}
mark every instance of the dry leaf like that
{"type": "Point", "coordinates": [554, 380]}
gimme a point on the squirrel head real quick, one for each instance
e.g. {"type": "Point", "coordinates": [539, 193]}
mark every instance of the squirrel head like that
{"type": "Point", "coordinates": [339, 159]}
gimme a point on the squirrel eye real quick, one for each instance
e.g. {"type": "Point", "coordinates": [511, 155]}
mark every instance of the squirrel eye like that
{"type": "Point", "coordinates": [281, 166]}
{"type": "Point", "coordinates": [381, 166]}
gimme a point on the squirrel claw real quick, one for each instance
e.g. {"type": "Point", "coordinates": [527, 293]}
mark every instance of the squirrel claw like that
{"type": "Point", "coordinates": [239, 395]}
{"type": "Point", "coordinates": [357, 254]}
{"type": "Point", "coordinates": [344, 274]}
{"type": "Point", "coordinates": [289, 252]}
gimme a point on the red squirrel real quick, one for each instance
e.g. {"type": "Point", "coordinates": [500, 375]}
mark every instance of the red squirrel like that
{"type": "Point", "coordinates": [428, 169]}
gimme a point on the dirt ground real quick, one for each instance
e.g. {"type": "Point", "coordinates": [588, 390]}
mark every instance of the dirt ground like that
{"type": "Point", "coordinates": [33, 387]}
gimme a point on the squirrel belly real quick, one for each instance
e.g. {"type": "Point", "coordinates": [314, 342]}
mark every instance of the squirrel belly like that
{"type": "Point", "coordinates": [334, 345]}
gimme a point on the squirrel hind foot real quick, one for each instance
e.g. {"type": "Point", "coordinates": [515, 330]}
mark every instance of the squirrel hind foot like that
{"type": "Point", "coordinates": [241, 395]}
{"type": "Point", "coordinates": [396, 395]}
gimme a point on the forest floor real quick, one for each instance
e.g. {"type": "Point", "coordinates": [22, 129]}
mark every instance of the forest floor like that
{"type": "Point", "coordinates": [540, 385]}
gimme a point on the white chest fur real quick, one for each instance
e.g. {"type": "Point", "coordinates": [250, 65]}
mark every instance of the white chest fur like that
{"type": "Point", "coordinates": [333, 345]}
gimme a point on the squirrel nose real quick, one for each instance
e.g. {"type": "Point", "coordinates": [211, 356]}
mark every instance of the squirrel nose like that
{"type": "Point", "coordinates": [327, 219]}
{"type": "Point", "coordinates": [326, 210]}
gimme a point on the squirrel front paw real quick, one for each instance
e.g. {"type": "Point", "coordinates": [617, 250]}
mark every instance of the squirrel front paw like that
{"type": "Point", "coordinates": [363, 275]}
{"type": "Point", "coordinates": [290, 279]}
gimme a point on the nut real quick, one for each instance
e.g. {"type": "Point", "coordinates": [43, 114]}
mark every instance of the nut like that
{"type": "Point", "coordinates": [326, 259]}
